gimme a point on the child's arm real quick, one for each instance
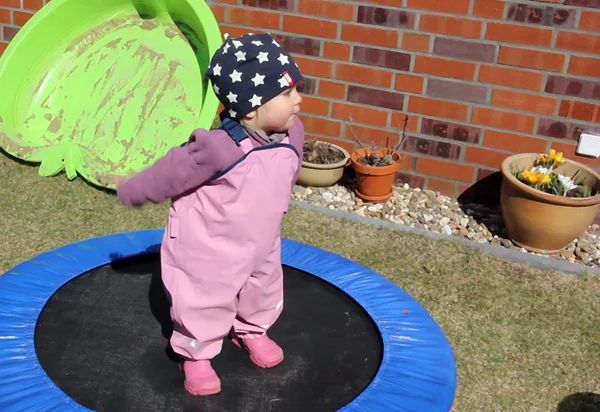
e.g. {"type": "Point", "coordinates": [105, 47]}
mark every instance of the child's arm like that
{"type": "Point", "coordinates": [296, 136]}
{"type": "Point", "coordinates": [180, 170]}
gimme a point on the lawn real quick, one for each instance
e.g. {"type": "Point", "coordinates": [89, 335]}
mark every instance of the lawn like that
{"type": "Point", "coordinates": [524, 339]}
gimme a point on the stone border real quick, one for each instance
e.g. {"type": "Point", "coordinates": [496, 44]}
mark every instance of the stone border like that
{"type": "Point", "coordinates": [539, 262]}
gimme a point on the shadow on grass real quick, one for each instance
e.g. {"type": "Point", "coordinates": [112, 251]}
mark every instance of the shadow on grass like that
{"type": "Point", "coordinates": [580, 402]}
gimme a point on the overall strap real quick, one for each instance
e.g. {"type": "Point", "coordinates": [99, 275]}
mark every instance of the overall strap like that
{"type": "Point", "coordinates": [234, 130]}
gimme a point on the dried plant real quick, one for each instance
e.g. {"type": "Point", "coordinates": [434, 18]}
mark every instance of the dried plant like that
{"type": "Point", "coordinates": [371, 158]}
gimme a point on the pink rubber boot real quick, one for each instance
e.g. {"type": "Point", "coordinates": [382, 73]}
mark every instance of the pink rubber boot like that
{"type": "Point", "coordinates": [263, 351]}
{"type": "Point", "coordinates": [200, 378]}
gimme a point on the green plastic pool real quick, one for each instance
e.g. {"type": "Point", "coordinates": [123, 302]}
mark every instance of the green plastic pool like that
{"type": "Point", "coordinates": [102, 88]}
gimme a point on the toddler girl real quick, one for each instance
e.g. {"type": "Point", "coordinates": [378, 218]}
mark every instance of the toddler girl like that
{"type": "Point", "coordinates": [230, 187]}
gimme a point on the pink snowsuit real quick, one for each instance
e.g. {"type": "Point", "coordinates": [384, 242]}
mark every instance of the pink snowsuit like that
{"type": "Point", "coordinates": [221, 251]}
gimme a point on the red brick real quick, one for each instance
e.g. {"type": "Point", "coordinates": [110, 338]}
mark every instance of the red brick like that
{"type": "Point", "coordinates": [524, 101]}
{"type": "Point", "coordinates": [506, 76]}
{"type": "Point", "coordinates": [219, 12]}
{"type": "Point", "coordinates": [415, 41]}
{"type": "Point", "coordinates": [374, 97]}
{"type": "Point", "coordinates": [33, 4]}
{"type": "Point", "coordinates": [256, 18]}
{"type": "Point", "coordinates": [437, 108]}
{"type": "Point", "coordinates": [315, 105]}
{"type": "Point", "coordinates": [448, 170]}
{"type": "Point", "coordinates": [464, 50]}
{"type": "Point", "coordinates": [361, 74]}
{"type": "Point", "coordinates": [449, 130]}
{"type": "Point", "coordinates": [444, 67]}
{"type": "Point", "coordinates": [338, 51]}
{"type": "Point", "coordinates": [430, 147]}
{"type": "Point", "coordinates": [379, 16]}
{"type": "Point", "coordinates": [490, 9]}
{"type": "Point", "coordinates": [514, 142]}
{"type": "Point", "coordinates": [370, 135]}
{"type": "Point", "coordinates": [330, 9]}
{"type": "Point", "coordinates": [3, 47]}
{"type": "Point", "coordinates": [452, 26]}
{"type": "Point", "coordinates": [590, 20]}
{"type": "Point", "coordinates": [15, 4]}
{"type": "Point", "coordinates": [409, 83]}
{"type": "Point", "coordinates": [588, 112]}
{"type": "Point", "coordinates": [534, 59]}
{"type": "Point", "coordinates": [584, 66]}
{"type": "Point", "coordinates": [309, 26]}
{"type": "Point", "coordinates": [465, 92]}
{"type": "Point", "coordinates": [359, 114]}
{"type": "Point", "coordinates": [486, 157]}
{"type": "Point", "coordinates": [332, 89]}
{"type": "Point", "coordinates": [4, 16]}
{"type": "Point", "coordinates": [445, 187]}
{"type": "Point", "coordinates": [321, 126]}
{"type": "Point", "coordinates": [398, 121]}
{"type": "Point", "coordinates": [369, 35]}
{"type": "Point", "coordinates": [314, 67]}
{"type": "Point", "coordinates": [299, 44]}
{"type": "Point", "coordinates": [21, 17]}
{"type": "Point", "coordinates": [503, 120]}
{"type": "Point", "coordinates": [514, 33]}
{"type": "Point", "coordinates": [444, 6]}
{"type": "Point", "coordinates": [573, 86]}
{"type": "Point", "coordinates": [586, 43]}
{"type": "Point", "coordinates": [379, 57]}
{"type": "Point", "coordinates": [266, 4]}
{"type": "Point", "coordinates": [237, 31]}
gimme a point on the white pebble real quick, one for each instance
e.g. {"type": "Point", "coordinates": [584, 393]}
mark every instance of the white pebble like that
{"type": "Point", "coordinates": [327, 196]}
{"type": "Point", "coordinates": [446, 230]}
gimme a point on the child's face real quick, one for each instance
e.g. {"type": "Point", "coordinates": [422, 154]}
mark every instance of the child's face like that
{"type": "Point", "coordinates": [279, 113]}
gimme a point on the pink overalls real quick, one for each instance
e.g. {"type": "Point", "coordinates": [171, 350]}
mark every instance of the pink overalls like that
{"type": "Point", "coordinates": [221, 251]}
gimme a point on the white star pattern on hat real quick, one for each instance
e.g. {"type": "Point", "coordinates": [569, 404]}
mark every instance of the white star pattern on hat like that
{"type": "Point", "coordinates": [237, 44]}
{"type": "Point", "coordinates": [217, 70]}
{"type": "Point", "coordinates": [258, 79]}
{"type": "Point", "coordinates": [257, 42]}
{"type": "Point", "coordinates": [232, 97]}
{"type": "Point", "coordinates": [263, 57]}
{"type": "Point", "coordinates": [283, 59]}
{"type": "Point", "coordinates": [226, 47]}
{"type": "Point", "coordinates": [232, 113]}
{"type": "Point", "coordinates": [283, 82]}
{"type": "Point", "coordinates": [236, 76]}
{"type": "Point", "coordinates": [216, 89]}
{"type": "Point", "coordinates": [256, 100]}
{"type": "Point", "coordinates": [241, 56]}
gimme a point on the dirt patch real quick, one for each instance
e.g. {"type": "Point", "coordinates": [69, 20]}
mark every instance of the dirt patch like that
{"type": "Point", "coordinates": [321, 153]}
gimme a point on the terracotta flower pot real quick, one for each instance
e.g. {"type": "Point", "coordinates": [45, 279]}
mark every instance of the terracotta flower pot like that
{"type": "Point", "coordinates": [322, 175]}
{"type": "Point", "coordinates": [542, 222]}
{"type": "Point", "coordinates": [374, 183]}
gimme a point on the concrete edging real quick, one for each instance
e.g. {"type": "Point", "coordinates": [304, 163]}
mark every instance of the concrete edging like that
{"type": "Point", "coordinates": [538, 262]}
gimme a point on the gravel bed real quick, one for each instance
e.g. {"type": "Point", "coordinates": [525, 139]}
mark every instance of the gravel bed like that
{"type": "Point", "coordinates": [435, 212]}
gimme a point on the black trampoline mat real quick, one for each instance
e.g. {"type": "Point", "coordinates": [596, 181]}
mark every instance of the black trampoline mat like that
{"type": "Point", "coordinates": [103, 339]}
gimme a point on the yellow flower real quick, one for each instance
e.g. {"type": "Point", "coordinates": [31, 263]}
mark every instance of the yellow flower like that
{"type": "Point", "coordinates": [543, 179]}
{"type": "Point", "coordinates": [530, 176]}
{"type": "Point", "coordinates": [559, 158]}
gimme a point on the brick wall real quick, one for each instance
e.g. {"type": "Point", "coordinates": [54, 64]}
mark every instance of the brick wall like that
{"type": "Point", "coordinates": [480, 79]}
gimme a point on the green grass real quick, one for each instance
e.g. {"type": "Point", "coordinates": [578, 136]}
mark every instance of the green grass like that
{"type": "Point", "coordinates": [523, 338]}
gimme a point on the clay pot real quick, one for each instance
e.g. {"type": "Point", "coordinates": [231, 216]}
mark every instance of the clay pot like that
{"type": "Point", "coordinates": [319, 175]}
{"type": "Point", "coordinates": [541, 222]}
{"type": "Point", "coordinates": [374, 183]}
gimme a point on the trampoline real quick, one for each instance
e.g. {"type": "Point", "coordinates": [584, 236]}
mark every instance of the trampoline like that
{"type": "Point", "coordinates": [86, 327]}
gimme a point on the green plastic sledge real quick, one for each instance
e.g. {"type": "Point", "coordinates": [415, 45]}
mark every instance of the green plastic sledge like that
{"type": "Point", "coordinates": [103, 88]}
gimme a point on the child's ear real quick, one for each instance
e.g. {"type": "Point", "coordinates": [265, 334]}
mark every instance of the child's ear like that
{"type": "Point", "coordinates": [250, 115]}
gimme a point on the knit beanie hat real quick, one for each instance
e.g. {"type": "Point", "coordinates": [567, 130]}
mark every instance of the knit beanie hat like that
{"type": "Point", "coordinates": [248, 71]}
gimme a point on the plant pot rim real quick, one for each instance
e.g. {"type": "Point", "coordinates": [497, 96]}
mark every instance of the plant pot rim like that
{"type": "Point", "coordinates": [336, 165]}
{"type": "Point", "coordinates": [550, 198]}
{"type": "Point", "coordinates": [374, 170]}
